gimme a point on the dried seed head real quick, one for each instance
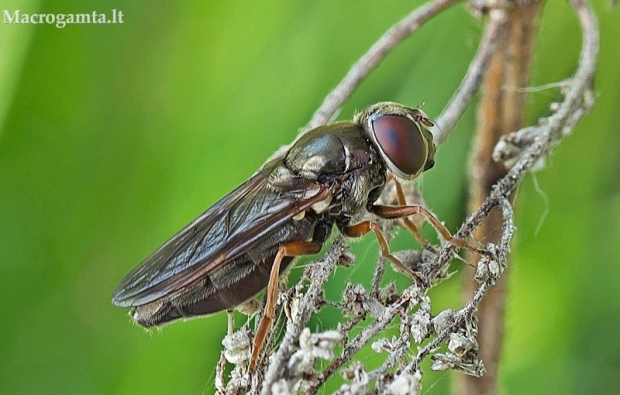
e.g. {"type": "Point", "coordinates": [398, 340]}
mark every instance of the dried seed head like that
{"type": "Point", "coordinates": [488, 267]}
{"type": "Point", "coordinates": [443, 320]}
{"type": "Point", "coordinates": [358, 302]}
{"type": "Point", "coordinates": [250, 307]}
{"type": "Point", "coordinates": [237, 346]}
{"type": "Point", "coordinates": [406, 384]}
{"type": "Point", "coordinates": [281, 387]}
{"type": "Point", "coordinates": [291, 305]}
{"type": "Point", "coordinates": [461, 345]}
{"type": "Point", "coordinates": [510, 147]}
{"type": "Point", "coordinates": [359, 380]}
{"type": "Point", "coordinates": [412, 259]}
{"type": "Point", "coordinates": [312, 346]}
{"type": "Point", "coordinates": [388, 294]}
{"type": "Point", "coordinates": [383, 345]}
{"type": "Point", "coordinates": [451, 361]}
{"type": "Point", "coordinates": [420, 325]}
{"type": "Point", "coordinates": [346, 258]}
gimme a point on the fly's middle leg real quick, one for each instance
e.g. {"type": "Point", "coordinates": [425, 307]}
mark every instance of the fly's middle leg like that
{"type": "Point", "coordinates": [362, 228]}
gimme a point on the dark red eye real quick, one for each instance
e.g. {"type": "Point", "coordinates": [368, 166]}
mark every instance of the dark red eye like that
{"type": "Point", "coordinates": [402, 143]}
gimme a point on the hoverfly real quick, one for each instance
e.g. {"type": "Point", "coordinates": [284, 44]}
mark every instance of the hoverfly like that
{"type": "Point", "coordinates": [331, 175]}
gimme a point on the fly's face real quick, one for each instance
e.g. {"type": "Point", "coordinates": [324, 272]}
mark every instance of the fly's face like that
{"type": "Point", "coordinates": [401, 136]}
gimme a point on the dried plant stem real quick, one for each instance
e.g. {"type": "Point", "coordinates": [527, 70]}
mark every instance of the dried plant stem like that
{"type": "Point", "coordinates": [501, 111]}
{"type": "Point", "coordinates": [472, 305]}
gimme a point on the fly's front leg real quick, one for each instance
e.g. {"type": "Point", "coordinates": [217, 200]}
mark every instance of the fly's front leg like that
{"type": "Point", "coordinates": [397, 212]}
{"type": "Point", "coordinates": [295, 248]}
{"type": "Point", "coordinates": [400, 195]}
{"type": "Point", "coordinates": [362, 228]}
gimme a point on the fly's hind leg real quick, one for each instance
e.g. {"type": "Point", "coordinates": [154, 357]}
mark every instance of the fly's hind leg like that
{"type": "Point", "coordinates": [295, 248]}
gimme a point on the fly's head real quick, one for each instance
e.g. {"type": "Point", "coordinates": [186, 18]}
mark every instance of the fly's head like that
{"type": "Point", "coordinates": [401, 136]}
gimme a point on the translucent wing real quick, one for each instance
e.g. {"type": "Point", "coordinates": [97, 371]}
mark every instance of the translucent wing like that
{"type": "Point", "coordinates": [229, 228]}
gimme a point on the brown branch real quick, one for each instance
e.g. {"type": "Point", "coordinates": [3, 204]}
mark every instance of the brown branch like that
{"type": "Point", "coordinates": [502, 111]}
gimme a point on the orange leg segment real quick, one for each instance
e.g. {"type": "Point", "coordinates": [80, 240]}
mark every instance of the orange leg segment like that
{"type": "Point", "coordinates": [295, 248]}
{"type": "Point", "coordinates": [409, 223]}
{"type": "Point", "coordinates": [389, 212]}
{"type": "Point", "coordinates": [364, 227]}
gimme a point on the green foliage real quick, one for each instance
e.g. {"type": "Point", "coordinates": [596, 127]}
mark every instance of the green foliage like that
{"type": "Point", "coordinates": [112, 137]}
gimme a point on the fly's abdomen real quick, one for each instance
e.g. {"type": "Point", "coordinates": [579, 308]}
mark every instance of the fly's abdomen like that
{"type": "Point", "coordinates": [210, 295]}
{"type": "Point", "coordinates": [234, 283]}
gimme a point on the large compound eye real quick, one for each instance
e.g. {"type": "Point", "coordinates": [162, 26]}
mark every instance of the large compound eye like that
{"type": "Point", "coordinates": [402, 143]}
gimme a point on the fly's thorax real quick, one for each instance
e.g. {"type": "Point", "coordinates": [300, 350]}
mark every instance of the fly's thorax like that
{"type": "Point", "coordinates": [329, 151]}
{"type": "Point", "coordinates": [340, 157]}
{"type": "Point", "coordinates": [359, 189]}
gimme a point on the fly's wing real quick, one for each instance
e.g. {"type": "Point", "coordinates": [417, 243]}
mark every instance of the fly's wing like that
{"type": "Point", "coordinates": [220, 234]}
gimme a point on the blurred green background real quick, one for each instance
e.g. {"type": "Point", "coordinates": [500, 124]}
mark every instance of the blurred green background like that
{"type": "Point", "coordinates": [112, 137]}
